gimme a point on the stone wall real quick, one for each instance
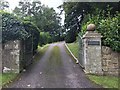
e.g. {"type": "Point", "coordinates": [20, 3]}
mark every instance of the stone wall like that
{"type": "Point", "coordinates": [110, 61]}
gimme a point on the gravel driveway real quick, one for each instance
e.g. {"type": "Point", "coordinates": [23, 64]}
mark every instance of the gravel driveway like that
{"type": "Point", "coordinates": [42, 74]}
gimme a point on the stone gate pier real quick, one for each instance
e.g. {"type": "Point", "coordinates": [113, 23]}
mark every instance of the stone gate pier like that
{"type": "Point", "coordinates": [15, 56]}
{"type": "Point", "coordinates": [92, 51]}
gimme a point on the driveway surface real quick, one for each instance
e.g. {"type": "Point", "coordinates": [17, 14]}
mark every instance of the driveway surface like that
{"type": "Point", "coordinates": [44, 74]}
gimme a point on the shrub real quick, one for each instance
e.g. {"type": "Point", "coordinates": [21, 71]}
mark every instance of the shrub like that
{"type": "Point", "coordinates": [70, 36]}
{"type": "Point", "coordinates": [45, 38]}
{"type": "Point", "coordinates": [107, 26]}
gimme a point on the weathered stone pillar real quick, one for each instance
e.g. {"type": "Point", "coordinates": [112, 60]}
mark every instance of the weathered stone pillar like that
{"type": "Point", "coordinates": [11, 57]}
{"type": "Point", "coordinates": [92, 51]}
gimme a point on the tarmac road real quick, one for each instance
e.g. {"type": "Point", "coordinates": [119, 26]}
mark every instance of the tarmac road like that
{"type": "Point", "coordinates": [60, 71]}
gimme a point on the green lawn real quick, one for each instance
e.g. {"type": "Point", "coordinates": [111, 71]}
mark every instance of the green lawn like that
{"type": "Point", "coordinates": [74, 48]}
{"type": "Point", "coordinates": [105, 81]}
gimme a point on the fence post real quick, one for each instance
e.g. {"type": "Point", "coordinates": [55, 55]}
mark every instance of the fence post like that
{"type": "Point", "coordinates": [92, 51]}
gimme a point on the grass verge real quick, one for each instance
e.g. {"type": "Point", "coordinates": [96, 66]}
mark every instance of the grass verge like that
{"type": "Point", "coordinates": [7, 78]}
{"type": "Point", "coordinates": [74, 48]}
{"type": "Point", "coordinates": [105, 81]}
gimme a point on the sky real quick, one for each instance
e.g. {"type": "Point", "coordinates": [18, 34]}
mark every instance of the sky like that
{"type": "Point", "coordinates": [49, 3]}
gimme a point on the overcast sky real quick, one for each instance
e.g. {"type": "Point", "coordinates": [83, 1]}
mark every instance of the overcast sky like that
{"type": "Point", "coordinates": [50, 3]}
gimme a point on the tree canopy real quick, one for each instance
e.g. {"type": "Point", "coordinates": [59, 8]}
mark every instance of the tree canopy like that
{"type": "Point", "coordinates": [3, 4]}
{"type": "Point", "coordinates": [75, 12]}
{"type": "Point", "coordinates": [45, 18]}
{"type": "Point", "coordinates": [31, 20]}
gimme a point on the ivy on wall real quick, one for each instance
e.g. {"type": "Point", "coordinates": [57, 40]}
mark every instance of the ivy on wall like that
{"type": "Point", "coordinates": [12, 28]}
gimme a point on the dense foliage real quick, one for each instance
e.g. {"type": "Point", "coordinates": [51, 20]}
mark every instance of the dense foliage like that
{"type": "Point", "coordinates": [79, 14]}
{"type": "Point", "coordinates": [34, 32]}
{"type": "Point", "coordinates": [45, 18]}
{"type": "Point", "coordinates": [14, 29]}
{"type": "Point", "coordinates": [26, 22]}
{"type": "Point", "coordinates": [70, 36]}
{"type": "Point", "coordinates": [107, 26]}
{"type": "Point", "coordinates": [75, 13]}
{"type": "Point", "coordinates": [45, 38]}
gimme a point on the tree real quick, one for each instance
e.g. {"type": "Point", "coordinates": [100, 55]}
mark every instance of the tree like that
{"type": "Point", "coordinates": [4, 4]}
{"type": "Point", "coordinates": [27, 8]}
{"type": "Point", "coordinates": [76, 11]}
{"type": "Point", "coordinates": [45, 18]}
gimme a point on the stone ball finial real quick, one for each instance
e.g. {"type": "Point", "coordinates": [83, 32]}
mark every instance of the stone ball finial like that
{"type": "Point", "coordinates": [91, 27]}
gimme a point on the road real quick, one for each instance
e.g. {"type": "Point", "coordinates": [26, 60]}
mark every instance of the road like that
{"type": "Point", "coordinates": [54, 71]}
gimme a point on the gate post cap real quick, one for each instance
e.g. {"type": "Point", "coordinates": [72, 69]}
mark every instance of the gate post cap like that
{"type": "Point", "coordinates": [91, 27]}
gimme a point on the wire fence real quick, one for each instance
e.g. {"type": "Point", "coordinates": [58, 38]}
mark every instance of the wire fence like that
{"type": "Point", "coordinates": [81, 51]}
